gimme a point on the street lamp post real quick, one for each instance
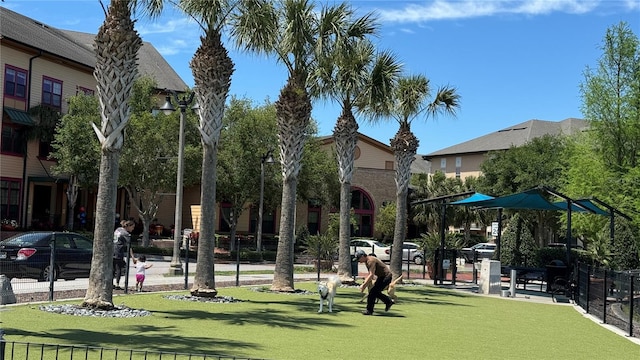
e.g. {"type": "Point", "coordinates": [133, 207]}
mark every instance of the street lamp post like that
{"type": "Point", "coordinates": [266, 158]}
{"type": "Point", "coordinates": [176, 266]}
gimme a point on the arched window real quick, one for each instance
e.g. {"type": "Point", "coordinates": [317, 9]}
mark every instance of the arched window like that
{"type": "Point", "coordinates": [364, 209]}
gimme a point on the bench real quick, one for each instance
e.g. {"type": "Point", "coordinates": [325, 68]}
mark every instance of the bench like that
{"type": "Point", "coordinates": [526, 275]}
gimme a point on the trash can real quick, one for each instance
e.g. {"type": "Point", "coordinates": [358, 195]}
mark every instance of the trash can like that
{"type": "Point", "coordinates": [555, 269]}
{"type": "Point", "coordinates": [354, 267]}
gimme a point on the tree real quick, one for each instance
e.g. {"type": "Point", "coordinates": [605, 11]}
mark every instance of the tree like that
{"type": "Point", "coordinates": [611, 98]}
{"type": "Point", "coordinates": [292, 31]}
{"type": "Point", "coordinates": [354, 75]}
{"type": "Point", "coordinates": [408, 102]}
{"type": "Point", "coordinates": [525, 167]}
{"type": "Point", "coordinates": [76, 149]}
{"type": "Point", "coordinates": [249, 134]}
{"type": "Point", "coordinates": [148, 162]}
{"type": "Point", "coordinates": [116, 47]}
{"type": "Point", "coordinates": [212, 69]}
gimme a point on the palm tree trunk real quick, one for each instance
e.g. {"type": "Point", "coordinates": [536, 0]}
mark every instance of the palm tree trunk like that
{"type": "Point", "coordinates": [116, 47]}
{"type": "Point", "coordinates": [293, 111]}
{"type": "Point", "coordinates": [204, 281]}
{"type": "Point", "coordinates": [99, 292]}
{"type": "Point", "coordinates": [346, 137]}
{"type": "Point", "coordinates": [405, 145]}
{"type": "Point", "coordinates": [212, 68]}
{"type": "Point", "coordinates": [283, 272]}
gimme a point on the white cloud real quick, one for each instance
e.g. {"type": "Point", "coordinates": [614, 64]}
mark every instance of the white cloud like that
{"type": "Point", "coordinates": [632, 4]}
{"type": "Point", "coordinates": [451, 9]}
{"type": "Point", "coordinates": [183, 25]}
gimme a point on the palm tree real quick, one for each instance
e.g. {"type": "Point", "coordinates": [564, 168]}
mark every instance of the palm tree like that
{"type": "Point", "coordinates": [212, 69]}
{"type": "Point", "coordinates": [409, 101]}
{"type": "Point", "coordinates": [116, 47]}
{"type": "Point", "coordinates": [293, 32]}
{"type": "Point", "coordinates": [353, 74]}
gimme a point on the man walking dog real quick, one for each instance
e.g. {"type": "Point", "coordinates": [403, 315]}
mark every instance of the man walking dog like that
{"type": "Point", "coordinates": [380, 271]}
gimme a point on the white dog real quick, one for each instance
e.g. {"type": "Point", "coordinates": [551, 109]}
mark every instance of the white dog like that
{"type": "Point", "coordinates": [328, 291]}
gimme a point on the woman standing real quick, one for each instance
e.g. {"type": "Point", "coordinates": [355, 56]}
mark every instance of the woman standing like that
{"type": "Point", "coordinates": [121, 238]}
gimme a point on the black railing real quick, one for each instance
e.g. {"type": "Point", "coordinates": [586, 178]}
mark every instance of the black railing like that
{"type": "Point", "coordinates": [14, 350]}
{"type": "Point", "coordinates": [611, 296]}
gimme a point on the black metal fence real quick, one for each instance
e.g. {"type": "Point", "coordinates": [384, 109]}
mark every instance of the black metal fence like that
{"type": "Point", "coordinates": [611, 296]}
{"type": "Point", "coordinates": [14, 350]}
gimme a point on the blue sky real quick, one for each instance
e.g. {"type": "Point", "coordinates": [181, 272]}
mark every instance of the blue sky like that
{"type": "Point", "coordinates": [511, 61]}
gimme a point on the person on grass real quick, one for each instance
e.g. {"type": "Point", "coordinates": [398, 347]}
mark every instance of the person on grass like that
{"type": "Point", "coordinates": [141, 268]}
{"type": "Point", "coordinates": [382, 275]}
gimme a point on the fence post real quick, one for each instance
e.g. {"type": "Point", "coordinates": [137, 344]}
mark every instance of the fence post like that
{"type": "Point", "coordinates": [631, 301]}
{"type": "Point", "coordinates": [588, 287]}
{"type": "Point", "coordinates": [52, 266]}
{"type": "Point", "coordinates": [2, 344]}
{"type": "Point", "coordinates": [604, 297]}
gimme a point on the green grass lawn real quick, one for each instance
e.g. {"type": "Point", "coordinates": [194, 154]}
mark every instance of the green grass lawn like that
{"type": "Point", "coordinates": [427, 323]}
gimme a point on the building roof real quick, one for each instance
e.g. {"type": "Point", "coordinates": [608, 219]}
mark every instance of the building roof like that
{"type": "Point", "coordinates": [77, 47]}
{"type": "Point", "coordinates": [515, 135]}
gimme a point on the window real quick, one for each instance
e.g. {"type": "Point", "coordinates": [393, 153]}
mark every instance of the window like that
{"type": "Point", "coordinates": [85, 91]}
{"type": "Point", "coordinates": [12, 142]}
{"type": "Point", "coordinates": [443, 165]}
{"type": "Point", "coordinates": [363, 209]}
{"type": "Point", "coordinates": [388, 165]}
{"type": "Point", "coordinates": [225, 214]}
{"type": "Point", "coordinates": [458, 166]}
{"type": "Point", "coordinates": [9, 199]}
{"type": "Point", "coordinates": [313, 217]}
{"type": "Point", "coordinates": [44, 149]}
{"type": "Point", "coordinates": [51, 92]}
{"type": "Point", "coordinates": [268, 223]}
{"type": "Point", "coordinates": [15, 82]}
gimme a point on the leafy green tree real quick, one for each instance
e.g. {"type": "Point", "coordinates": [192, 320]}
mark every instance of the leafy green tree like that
{"type": "Point", "coordinates": [611, 98]}
{"type": "Point", "coordinates": [386, 221]}
{"type": "Point", "coordinates": [249, 134]}
{"type": "Point", "coordinates": [521, 168]}
{"type": "Point", "coordinates": [148, 163]}
{"type": "Point", "coordinates": [518, 247]}
{"type": "Point", "coordinates": [626, 246]}
{"type": "Point", "coordinates": [317, 180]}
{"type": "Point", "coordinates": [76, 148]}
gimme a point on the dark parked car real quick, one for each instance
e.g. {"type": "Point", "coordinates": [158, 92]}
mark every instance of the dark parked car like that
{"type": "Point", "coordinates": [481, 250]}
{"type": "Point", "coordinates": [28, 255]}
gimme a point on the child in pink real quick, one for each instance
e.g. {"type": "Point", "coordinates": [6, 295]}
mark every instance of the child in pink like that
{"type": "Point", "coordinates": [141, 267]}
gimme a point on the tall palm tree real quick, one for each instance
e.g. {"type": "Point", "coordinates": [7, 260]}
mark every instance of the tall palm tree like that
{"type": "Point", "coordinates": [410, 101]}
{"type": "Point", "coordinates": [116, 47]}
{"type": "Point", "coordinates": [212, 69]}
{"type": "Point", "coordinates": [292, 31]}
{"type": "Point", "coordinates": [357, 77]}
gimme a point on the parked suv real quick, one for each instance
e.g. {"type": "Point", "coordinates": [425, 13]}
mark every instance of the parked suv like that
{"type": "Point", "coordinates": [482, 251]}
{"type": "Point", "coordinates": [369, 246]}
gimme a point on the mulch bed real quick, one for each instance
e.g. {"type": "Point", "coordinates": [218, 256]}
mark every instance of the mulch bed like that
{"type": "Point", "coordinates": [80, 293]}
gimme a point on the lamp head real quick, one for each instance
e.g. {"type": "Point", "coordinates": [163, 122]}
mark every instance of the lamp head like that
{"type": "Point", "coordinates": [167, 108]}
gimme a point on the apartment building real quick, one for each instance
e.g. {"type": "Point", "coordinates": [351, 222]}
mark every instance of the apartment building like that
{"type": "Point", "coordinates": [43, 66]}
{"type": "Point", "coordinates": [464, 159]}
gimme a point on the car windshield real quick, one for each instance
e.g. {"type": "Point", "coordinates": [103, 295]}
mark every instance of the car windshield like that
{"type": "Point", "coordinates": [28, 239]}
{"type": "Point", "coordinates": [378, 244]}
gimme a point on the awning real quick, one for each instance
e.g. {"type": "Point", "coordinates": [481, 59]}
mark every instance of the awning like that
{"type": "Point", "coordinates": [473, 199]}
{"type": "Point", "coordinates": [583, 205]}
{"type": "Point", "coordinates": [531, 199]}
{"type": "Point", "coordinates": [19, 117]}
